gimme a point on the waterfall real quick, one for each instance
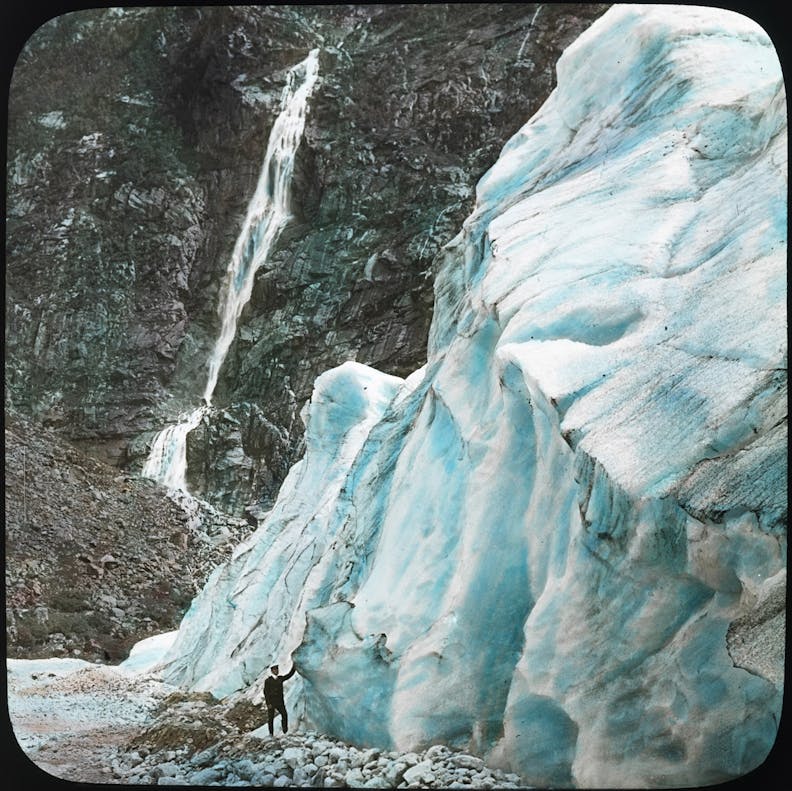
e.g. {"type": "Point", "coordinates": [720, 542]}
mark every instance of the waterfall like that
{"type": "Point", "coordinates": [267, 214]}
{"type": "Point", "coordinates": [167, 460]}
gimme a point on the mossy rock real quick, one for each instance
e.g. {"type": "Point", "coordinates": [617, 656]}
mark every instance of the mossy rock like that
{"type": "Point", "coordinates": [182, 696]}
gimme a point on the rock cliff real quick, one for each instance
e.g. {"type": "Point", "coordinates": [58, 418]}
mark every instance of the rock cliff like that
{"type": "Point", "coordinates": [135, 141]}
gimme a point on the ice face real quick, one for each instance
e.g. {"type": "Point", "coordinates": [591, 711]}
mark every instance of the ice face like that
{"type": "Point", "coordinates": [557, 543]}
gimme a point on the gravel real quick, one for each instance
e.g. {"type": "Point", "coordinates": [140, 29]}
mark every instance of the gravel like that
{"type": "Point", "coordinates": [86, 722]}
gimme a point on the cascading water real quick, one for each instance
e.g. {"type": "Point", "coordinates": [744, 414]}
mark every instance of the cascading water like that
{"type": "Point", "coordinates": [167, 460]}
{"type": "Point", "coordinates": [267, 214]}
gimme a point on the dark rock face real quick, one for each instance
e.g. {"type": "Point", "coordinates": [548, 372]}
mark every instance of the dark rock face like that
{"type": "Point", "coordinates": [121, 215]}
{"type": "Point", "coordinates": [135, 142]}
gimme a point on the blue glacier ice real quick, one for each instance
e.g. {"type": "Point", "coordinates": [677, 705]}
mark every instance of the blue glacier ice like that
{"type": "Point", "coordinates": [560, 544]}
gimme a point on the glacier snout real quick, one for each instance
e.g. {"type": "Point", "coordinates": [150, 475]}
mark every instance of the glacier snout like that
{"type": "Point", "coordinates": [562, 543]}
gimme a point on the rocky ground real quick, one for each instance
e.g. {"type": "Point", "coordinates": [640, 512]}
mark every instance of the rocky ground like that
{"type": "Point", "coordinates": [95, 559]}
{"type": "Point", "coordinates": [71, 717]}
{"type": "Point", "coordinates": [96, 724]}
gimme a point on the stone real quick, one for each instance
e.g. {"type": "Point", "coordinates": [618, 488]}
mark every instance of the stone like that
{"type": "Point", "coordinates": [205, 776]}
{"type": "Point", "coordinates": [419, 773]}
{"type": "Point", "coordinates": [394, 773]}
{"type": "Point", "coordinates": [377, 782]}
{"type": "Point", "coordinates": [467, 761]}
{"type": "Point", "coordinates": [205, 757]}
{"type": "Point", "coordinates": [356, 758]}
{"type": "Point", "coordinates": [169, 769]}
{"type": "Point", "coordinates": [294, 756]}
{"type": "Point", "coordinates": [354, 778]}
{"type": "Point", "coordinates": [321, 746]}
{"type": "Point", "coordinates": [436, 752]}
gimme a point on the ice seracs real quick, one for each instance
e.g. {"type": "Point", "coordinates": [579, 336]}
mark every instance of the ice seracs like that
{"type": "Point", "coordinates": [550, 545]}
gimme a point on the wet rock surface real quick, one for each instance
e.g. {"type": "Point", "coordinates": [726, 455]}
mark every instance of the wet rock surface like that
{"type": "Point", "coordinates": [135, 142]}
{"type": "Point", "coordinates": [95, 559]}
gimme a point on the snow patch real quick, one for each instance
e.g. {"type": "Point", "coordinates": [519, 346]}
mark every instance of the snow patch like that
{"type": "Point", "coordinates": [53, 120]}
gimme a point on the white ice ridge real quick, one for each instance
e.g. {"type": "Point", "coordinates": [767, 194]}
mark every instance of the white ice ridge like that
{"type": "Point", "coordinates": [268, 212]}
{"type": "Point", "coordinates": [562, 543]}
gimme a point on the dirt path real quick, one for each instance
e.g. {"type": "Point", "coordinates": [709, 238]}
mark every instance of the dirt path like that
{"type": "Point", "coordinates": [70, 717]}
{"type": "Point", "coordinates": [85, 756]}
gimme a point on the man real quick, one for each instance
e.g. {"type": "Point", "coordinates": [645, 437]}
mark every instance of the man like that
{"type": "Point", "coordinates": [273, 697]}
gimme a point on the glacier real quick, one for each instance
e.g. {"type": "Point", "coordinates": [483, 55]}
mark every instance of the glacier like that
{"type": "Point", "coordinates": [561, 544]}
